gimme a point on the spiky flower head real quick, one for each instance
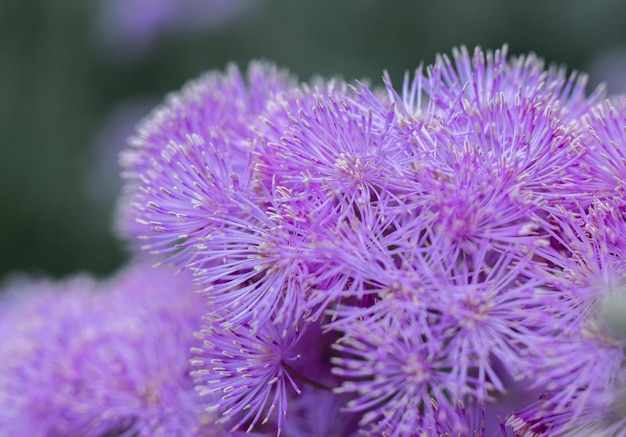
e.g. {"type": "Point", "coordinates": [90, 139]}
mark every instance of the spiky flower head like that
{"type": "Point", "coordinates": [588, 358]}
{"type": "Point", "coordinates": [247, 372]}
{"type": "Point", "coordinates": [605, 156]}
{"type": "Point", "coordinates": [447, 239]}
{"type": "Point", "coordinates": [192, 156]}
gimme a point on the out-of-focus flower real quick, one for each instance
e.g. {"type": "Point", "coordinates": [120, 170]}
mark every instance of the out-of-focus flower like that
{"type": "Point", "coordinates": [83, 358]}
{"type": "Point", "coordinates": [129, 29]}
{"type": "Point", "coordinates": [316, 412]}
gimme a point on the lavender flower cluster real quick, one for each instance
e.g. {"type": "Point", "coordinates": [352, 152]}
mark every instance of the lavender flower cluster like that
{"type": "Point", "coordinates": [443, 260]}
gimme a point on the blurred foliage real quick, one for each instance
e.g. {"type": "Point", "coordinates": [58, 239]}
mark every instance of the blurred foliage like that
{"type": "Point", "coordinates": [57, 84]}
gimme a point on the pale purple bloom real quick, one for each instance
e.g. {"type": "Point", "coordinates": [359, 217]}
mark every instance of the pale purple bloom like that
{"type": "Point", "coordinates": [454, 205]}
{"type": "Point", "coordinates": [469, 83]}
{"type": "Point", "coordinates": [255, 267]}
{"type": "Point", "coordinates": [398, 371]}
{"type": "Point", "coordinates": [86, 358]}
{"type": "Point", "coordinates": [130, 29]}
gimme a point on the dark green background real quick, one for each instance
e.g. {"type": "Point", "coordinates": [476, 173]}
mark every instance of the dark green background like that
{"type": "Point", "coordinates": [56, 87]}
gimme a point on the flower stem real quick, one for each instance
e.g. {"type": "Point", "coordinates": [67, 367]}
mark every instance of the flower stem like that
{"type": "Point", "coordinates": [293, 372]}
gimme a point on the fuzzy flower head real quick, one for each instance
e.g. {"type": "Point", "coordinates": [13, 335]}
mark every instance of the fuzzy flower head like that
{"type": "Point", "coordinates": [92, 359]}
{"type": "Point", "coordinates": [191, 156]}
{"type": "Point", "coordinates": [473, 81]}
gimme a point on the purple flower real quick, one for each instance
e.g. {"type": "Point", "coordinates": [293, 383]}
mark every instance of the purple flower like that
{"type": "Point", "coordinates": [476, 83]}
{"type": "Point", "coordinates": [605, 156]}
{"type": "Point", "coordinates": [129, 29]}
{"type": "Point", "coordinates": [399, 371]}
{"type": "Point", "coordinates": [191, 160]}
{"type": "Point", "coordinates": [587, 360]}
{"type": "Point", "coordinates": [447, 222]}
{"type": "Point", "coordinates": [335, 146]}
{"type": "Point", "coordinates": [249, 372]}
{"type": "Point", "coordinates": [447, 240]}
{"type": "Point", "coordinates": [82, 358]}
{"type": "Point", "coordinates": [253, 266]}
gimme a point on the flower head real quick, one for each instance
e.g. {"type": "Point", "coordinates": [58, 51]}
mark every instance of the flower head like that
{"type": "Point", "coordinates": [192, 158]}
{"type": "Point", "coordinates": [605, 156]}
{"type": "Point", "coordinates": [83, 358]}
{"type": "Point", "coordinates": [248, 373]}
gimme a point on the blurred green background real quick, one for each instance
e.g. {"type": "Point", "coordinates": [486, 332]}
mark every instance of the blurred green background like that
{"type": "Point", "coordinates": [76, 75]}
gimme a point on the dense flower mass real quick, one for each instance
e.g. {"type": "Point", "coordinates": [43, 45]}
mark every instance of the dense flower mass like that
{"type": "Point", "coordinates": [84, 358]}
{"type": "Point", "coordinates": [446, 259]}
{"type": "Point", "coordinates": [448, 239]}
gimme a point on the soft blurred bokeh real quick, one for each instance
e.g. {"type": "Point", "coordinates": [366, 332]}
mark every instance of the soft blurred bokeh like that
{"type": "Point", "coordinates": [76, 75]}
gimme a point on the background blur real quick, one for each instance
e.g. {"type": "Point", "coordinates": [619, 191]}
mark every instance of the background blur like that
{"type": "Point", "coordinates": [76, 75]}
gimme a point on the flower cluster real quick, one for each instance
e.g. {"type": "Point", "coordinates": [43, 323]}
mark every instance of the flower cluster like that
{"type": "Point", "coordinates": [447, 259]}
{"type": "Point", "coordinates": [446, 240]}
{"type": "Point", "coordinates": [89, 358]}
